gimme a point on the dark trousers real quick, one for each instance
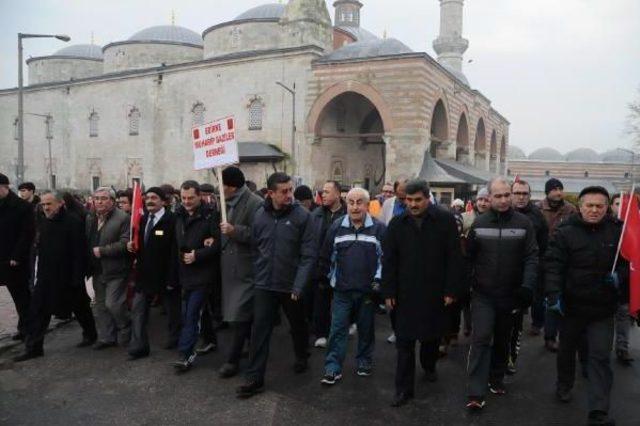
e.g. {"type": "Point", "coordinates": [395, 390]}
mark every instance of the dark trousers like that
{"type": "Point", "coordinates": [516, 335]}
{"type": "Point", "coordinates": [489, 344]}
{"type": "Point", "coordinates": [172, 301]}
{"type": "Point", "coordinates": [241, 332]}
{"type": "Point", "coordinates": [406, 363]}
{"type": "Point", "coordinates": [192, 303]}
{"type": "Point", "coordinates": [209, 321]}
{"type": "Point", "coordinates": [19, 289]}
{"type": "Point", "coordinates": [599, 336]}
{"type": "Point", "coordinates": [551, 325]}
{"type": "Point", "coordinates": [140, 305]}
{"type": "Point", "coordinates": [538, 311]}
{"type": "Point", "coordinates": [322, 310]}
{"type": "Point", "coordinates": [40, 317]}
{"type": "Point", "coordinates": [265, 310]}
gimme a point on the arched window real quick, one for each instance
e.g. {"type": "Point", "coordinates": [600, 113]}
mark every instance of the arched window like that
{"type": "Point", "coordinates": [197, 114]}
{"type": "Point", "coordinates": [586, 174]}
{"type": "Point", "coordinates": [341, 117]}
{"type": "Point", "coordinates": [134, 122]}
{"type": "Point", "coordinates": [94, 118]}
{"type": "Point", "coordinates": [337, 171]}
{"type": "Point", "coordinates": [255, 114]}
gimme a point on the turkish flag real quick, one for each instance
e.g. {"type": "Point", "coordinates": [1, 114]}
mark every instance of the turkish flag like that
{"type": "Point", "coordinates": [136, 215]}
{"type": "Point", "coordinates": [630, 248]}
{"type": "Point", "coordinates": [469, 207]}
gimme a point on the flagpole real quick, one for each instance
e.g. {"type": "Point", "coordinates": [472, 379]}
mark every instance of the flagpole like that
{"type": "Point", "coordinates": [223, 202]}
{"type": "Point", "coordinates": [624, 224]}
{"type": "Point", "coordinates": [135, 183]}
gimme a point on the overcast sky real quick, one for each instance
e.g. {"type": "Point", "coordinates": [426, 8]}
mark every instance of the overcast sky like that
{"type": "Point", "coordinates": [561, 71]}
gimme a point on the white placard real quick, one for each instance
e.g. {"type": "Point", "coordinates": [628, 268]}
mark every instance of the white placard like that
{"type": "Point", "coordinates": [214, 144]}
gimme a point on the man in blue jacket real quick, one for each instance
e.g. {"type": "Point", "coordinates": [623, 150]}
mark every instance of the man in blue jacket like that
{"type": "Point", "coordinates": [284, 239]}
{"type": "Point", "coordinates": [351, 259]}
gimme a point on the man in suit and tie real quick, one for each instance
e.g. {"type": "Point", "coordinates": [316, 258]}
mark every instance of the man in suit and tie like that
{"type": "Point", "coordinates": [153, 260]}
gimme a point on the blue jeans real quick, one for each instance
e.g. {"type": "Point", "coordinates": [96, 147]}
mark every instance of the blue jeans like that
{"type": "Point", "coordinates": [551, 325]}
{"type": "Point", "coordinates": [192, 302]}
{"type": "Point", "coordinates": [344, 302]}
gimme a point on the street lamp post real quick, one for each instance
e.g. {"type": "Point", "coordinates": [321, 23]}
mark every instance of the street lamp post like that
{"type": "Point", "coordinates": [293, 123]}
{"type": "Point", "coordinates": [20, 168]}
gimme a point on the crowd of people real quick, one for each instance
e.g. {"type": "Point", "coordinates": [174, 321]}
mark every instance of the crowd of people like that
{"type": "Point", "coordinates": [329, 264]}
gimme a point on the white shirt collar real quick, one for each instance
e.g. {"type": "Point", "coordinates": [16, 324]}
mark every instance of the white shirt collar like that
{"type": "Point", "coordinates": [157, 216]}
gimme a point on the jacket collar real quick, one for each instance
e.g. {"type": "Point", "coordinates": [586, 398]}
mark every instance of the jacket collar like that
{"type": "Point", "coordinates": [496, 216]}
{"type": "Point", "coordinates": [346, 221]}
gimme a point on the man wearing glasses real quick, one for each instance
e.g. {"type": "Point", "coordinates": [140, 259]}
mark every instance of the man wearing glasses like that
{"type": "Point", "coordinates": [503, 254]}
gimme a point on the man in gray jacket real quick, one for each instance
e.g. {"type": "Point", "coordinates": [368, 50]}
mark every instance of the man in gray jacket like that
{"type": "Point", "coordinates": [107, 234]}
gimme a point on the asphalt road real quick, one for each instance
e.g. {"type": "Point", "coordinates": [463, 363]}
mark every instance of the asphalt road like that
{"type": "Point", "coordinates": [72, 386]}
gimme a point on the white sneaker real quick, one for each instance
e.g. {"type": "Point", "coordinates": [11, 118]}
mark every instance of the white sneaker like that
{"type": "Point", "coordinates": [391, 338]}
{"type": "Point", "coordinates": [353, 330]}
{"type": "Point", "coordinates": [320, 343]}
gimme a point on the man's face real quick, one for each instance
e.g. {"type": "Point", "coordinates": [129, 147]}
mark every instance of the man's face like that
{"type": "Point", "coordinates": [521, 195]}
{"type": "Point", "coordinates": [615, 206]}
{"type": "Point", "coordinates": [593, 207]}
{"type": "Point", "coordinates": [387, 191]}
{"type": "Point", "coordinates": [416, 203]}
{"type": "Point", "coordinates": [330, 195]}
{"type": "Point", "coordinates": [50, 206]}
{"type": "Point", "coordinates": [4, 191]}
{"type": "Point", "coordinates": [206, 197]}
{"type": "Point", "coordinates": [103, 202]}
{"type": "Point", "coordinates": [483, 204]}
{"type": "Point", "coordinates": [190, 199]}
{"type": "Point", "coordinates": [500, 196]}
{"type": "Point", "coordinates": [283, 195]}
{"type": "Point", "coordinates": [124, 204]}
{"type": "Point", "coordinates": [556, 194]}
{"type": "Point", "coordinates": [153, 202]}
{"type": "Point", "coordinates": [401, 192]}
{"type": "Point", "coordinates": [25, 194]}
{"type": "Point", "coordinates": [228, 191]}
{"type": "Point", "coordinates": [356, 207]}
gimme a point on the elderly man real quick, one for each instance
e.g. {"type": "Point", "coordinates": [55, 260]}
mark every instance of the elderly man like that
{"type": "Point", "coordinates": [503, 254]}
{"type": "Point", "coordinates": [59, 288]}
{"type": "Point", "coordinates": [16, 231]}
{"type": "Point", "coordinates": [351, 261]}
{"type": "Point", "coordinates": [107, 231]}
{"type": "Point", "coordinates": [420, 277]}
{"type": "Point", "coordinates": [580, 285]}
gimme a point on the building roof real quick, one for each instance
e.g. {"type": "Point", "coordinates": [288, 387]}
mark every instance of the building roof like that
{"type": "Point", "coordinates": [360, 34]}
{"type": "Point", "coordinates": [265, 11]}
{"type": "Point", "coordinates": [617, 155]}
{"type": "Point", "coordinates": [368, 49]}
{"type": "Point", "coordinates": [257, 152]}
{"type": "Point", "coordinates": [571, 185]}
{"type": "Point", "coordinates": [88, 51]}
{"type": "Point", "coordinates": [515, 153]}
{"type": "Point", "coordinates": [167, 34]}
{"type": "Point", "coordinates": [432, 172]}
{"type": "Point", "coordinates": [546, 154]}
{"type": "Point", "coordinates": [465, 172]}
{"type": "Point", "coordinates": [582, 155]}
{"type": "Point", "coordinates": [459, 74]}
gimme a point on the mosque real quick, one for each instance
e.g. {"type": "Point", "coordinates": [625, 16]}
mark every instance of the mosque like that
{"type": "Point", "coordinates": [316, 98]}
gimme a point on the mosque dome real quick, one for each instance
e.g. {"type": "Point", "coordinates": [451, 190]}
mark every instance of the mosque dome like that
{"type": "Point", "coordinates": [69, 63]}
{"type": "Point", "coordinates": [617, 155]}
{"type": "Point", "coordinates": [368, 49]}
{"type": "Point", "coordinates": [167, 34]}
{"type": "Point", "coordinates": [516, 153]}
{"type": "Point", "coordinates": [582, 155]}
{"type": "Point", "coordinates": [265, 11]}
{"type": "Point", "coordinates": [358, 33]}
{"type": "Point", "coordinates": [81, 51]}
{"type": "Point", "coordinates": [546, 154]}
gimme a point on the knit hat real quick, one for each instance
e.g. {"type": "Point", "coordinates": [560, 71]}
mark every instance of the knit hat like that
{"type": "Point", "coordinates": [29, 186]}
{"type": "Point", "coordinates": [552, 184]}
{"type": "Point", "coordinates": [303, 192]}
{"type": "Point", "coordinates": [158, 191]}
{"type": "Point", "coordinates": [208, 188]}
{"type": "Point", "coordinates": [233, 176]}
{"type": "Point", "coordinates": [4, 180]}
{"type": "Point", "coordinates": [457, 202]}
{"type": "Point", "coordinates": [594, 190]}
{"type": "Point", "coordinates": [482, 193]}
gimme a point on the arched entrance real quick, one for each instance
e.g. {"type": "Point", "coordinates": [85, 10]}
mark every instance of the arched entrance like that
{"type": "Point", "coordinates": [462, 140]}
{"type": "Point", "coordinates": [493, 159]}
{"type": "Point", "coordinates": [439, 129]}
{"type": "Point", "coordinates": [480, 145]}
{"type": "Point", "coordinates": [503, 155]}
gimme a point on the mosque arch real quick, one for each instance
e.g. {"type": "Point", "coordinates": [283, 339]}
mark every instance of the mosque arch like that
{"type": "Point", "coordinates": [439, 128]}
{"type": "Point", "coordinates": [480, 144]}
{"type": "Point", "coordinates": [493, 153]}
{"type": "Point", "coordinates": [503, 154]}
{"type": "Point", "coordinates": [462, 139]}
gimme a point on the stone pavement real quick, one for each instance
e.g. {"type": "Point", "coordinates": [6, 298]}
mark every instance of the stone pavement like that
{"type": "Point", "coordinates": [71, 386]}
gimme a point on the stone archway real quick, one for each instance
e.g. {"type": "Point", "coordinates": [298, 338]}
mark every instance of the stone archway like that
{"type": "Point", "coordinates": [503, 155]}
{"type": "Point", "coordinates": [439, 129]}
{"type": "Point", "coordinates": [480, 145]}
{"type": "Point", "coordinates": [493, 153]}
{"type": "Point", "coordinates": [462, 140]}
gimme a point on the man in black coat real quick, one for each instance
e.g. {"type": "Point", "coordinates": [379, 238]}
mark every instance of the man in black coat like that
{"type": "Point", "coordinates": [156, 238]}
{"type": "Point", "coordinates": [422, 260]}
{"type": "Point", "coordinates": [579, 284]}
{"type": "Point", "coordinates": [59, 288]}
{"type": "Point", "coordinates": [284, 239]}
{"type": "Point", "coordinates": [503, 254]}
{"type": "Point", "coordinates": [17, 224]}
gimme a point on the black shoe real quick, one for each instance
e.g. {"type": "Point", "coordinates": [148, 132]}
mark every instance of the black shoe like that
{"type": "Point", "coordinates": [498, 388]}
{"type": "Point", "coordinates": [475, 403]}
{"type": "Point", "coordinates": [300, 366]}
{"type": "Point", "coordinates": [511, 368]}
{"type": "Point", "coordinates": [331, 378]}
{"type": "Point", "coordinates": [401, 399]}
{"type": "Point", "coordinates": [228, 370]}
{"type": "Point", "coordinates": [28, 355]}
{"type": "Point", "coordinates": [184, 364]}
{"type": "Point", "coordinates": [624, 357]}
{"type": "Point", "coordinates": [600, 418]}
{"type": "Point", "coordinates": [563, 395]}
{"type": "Point", "coordinates": [98, 346]}
{"type": "Point", "coordinates": [86, 342]}
{"type": "Point", "coordinates": [138, 355]}
{"type": "Point", "coordinates": [207, 348]}
{"type": "Point", "coordinates": [249, 389]}
{"type": "Point", "coordinates": [431, 376]}
{"type": "Point", "coordinates": [364, 371]}
{"type": "Point", "coordinates": [17, 336]}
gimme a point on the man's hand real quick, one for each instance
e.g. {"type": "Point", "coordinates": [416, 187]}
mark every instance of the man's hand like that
{"type": "Point", "coordinates": [295, 297]}
{"type": "Point", "coordinates": [448, 300]}
{"type": "Point", "coordinates": [227, 229]}
{"type": "Point", "coordinates": [96, 252]}
{"type": "Point", "coordinates": [130, 247]}
{"type": "Point", "coordinates": [391, 303]}
{"type": "Point", "coordinates": [209, 242]}
{"type": "Point", "coordinates": [14, 263]}
{"type": "Point", "coordinates": [189, 257]}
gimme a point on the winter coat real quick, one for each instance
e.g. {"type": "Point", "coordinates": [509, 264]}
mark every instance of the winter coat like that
{"type": "Point", "coordinates": [191, 233]}
{"type": "Point", "coordinates": [555, 216]}
{"type": "Point", "coordinates": [503, 254]}
{"type": "Point", "coordinates": [237, 258]}
{"type": "Point", "coordinates": [322, 219]}
{"type": "Point", "coordinates": [61, 253]}
{"type": "Point", "coordinates": [153, 259]}
{"type": "Point", "coordinates": [286, 247]}
{"type": "Point", "coordinates": [112, 238]}
{"type": "Point", "coordinates": [351, 259]}
{"type": "Point", "coordinates": [421, 265]}
{"type": "Point", "coordinates": [17, 228]}
{"type": "Point", "coordinates": [579, 257]}
{"type": "Point", "coordinates": [542, 238]}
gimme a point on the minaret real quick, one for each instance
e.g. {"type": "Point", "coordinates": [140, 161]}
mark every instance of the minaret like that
{"type": "Point", "coordinates": [347, 13]}
{"type": "Point", "coordinates": [307, 22]}
{"type": "Point", "coordinates": [450, 46]}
